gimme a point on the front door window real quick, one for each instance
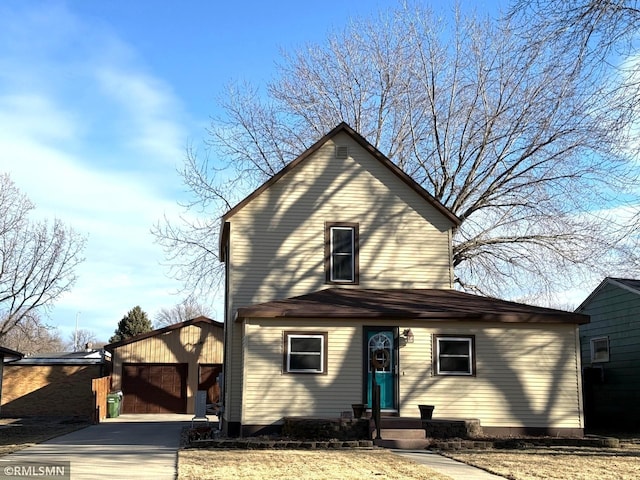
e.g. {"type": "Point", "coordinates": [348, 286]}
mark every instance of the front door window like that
{"type": "Point", "coordinates": [381, 363]}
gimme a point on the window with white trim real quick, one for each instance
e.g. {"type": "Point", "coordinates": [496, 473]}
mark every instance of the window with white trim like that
{"type": "Point", "coordinates": [305, 352]}
{"type": "Point", "coordinates": [454, 355]}
{"type": "Point", "coordinates": [341, 252]}
{"type": "Point", "coordinates": [599, 349]}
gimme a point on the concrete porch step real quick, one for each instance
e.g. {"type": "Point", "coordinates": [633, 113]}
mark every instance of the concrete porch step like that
{"type": "Point", "coordinates": [400, 433]}
{"type": "Point", "coordinates": [402, 443]}
{"type": "Point", "coordinates": [401, 423]}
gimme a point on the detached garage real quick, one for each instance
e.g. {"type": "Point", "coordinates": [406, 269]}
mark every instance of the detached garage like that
{"type": "Point", "coordinates": [161, 371]}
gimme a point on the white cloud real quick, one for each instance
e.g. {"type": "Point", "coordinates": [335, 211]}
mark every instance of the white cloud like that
{"type": "Point", "coordinates": [92, 138]}
{"type": "Point", "coordinates": [146, 103]}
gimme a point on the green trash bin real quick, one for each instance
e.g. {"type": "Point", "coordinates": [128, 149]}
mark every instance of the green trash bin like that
{"type": "Point", "coordinates": [113, 405]}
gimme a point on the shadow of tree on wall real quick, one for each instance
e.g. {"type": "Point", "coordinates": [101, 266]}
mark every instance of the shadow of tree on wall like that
{"type": "Point", "coordinates": [269, 263]}
{"type": "Point", "coordinates": [59, 390]}
{"type": "Point", "coordinates": [537, 395]}
{"type": "Point", "coordinates": [279, 225]}
{"type": "Point", "coordinates": [188, 356]}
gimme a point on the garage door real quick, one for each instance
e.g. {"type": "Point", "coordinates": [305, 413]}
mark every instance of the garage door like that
{"type": "Point", "coordinates": [154, 388]}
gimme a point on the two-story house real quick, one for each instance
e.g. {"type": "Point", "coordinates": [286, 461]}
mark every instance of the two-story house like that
{"type": "Point", "coordinates": [339, 268]}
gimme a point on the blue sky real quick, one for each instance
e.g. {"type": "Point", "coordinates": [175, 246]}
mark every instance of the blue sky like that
{"type": "Point", "coordinates": [98, 100]}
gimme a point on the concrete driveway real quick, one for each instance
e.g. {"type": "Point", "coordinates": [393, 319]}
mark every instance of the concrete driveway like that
{"type": "Point", "coordinates": [130, 446]}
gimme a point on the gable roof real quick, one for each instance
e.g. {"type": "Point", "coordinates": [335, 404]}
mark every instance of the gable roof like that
{"type": "Point", "coordinates": [160, 331]}
{"type": "Point", "coordinates": [628, 284]}
{"type": "Point", "coordinates": [342, 127]}
{"type": "Point", "coordinates": [407, 304]}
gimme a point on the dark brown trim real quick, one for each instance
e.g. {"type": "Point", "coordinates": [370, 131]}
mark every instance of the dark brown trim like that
{"type": "Point", "coordinates": [343, 127]}
{"type": "Point", "coordinates": [232, 429]}
{"type": "Point", "coordinates": [235, 429]}
{"type": "Point", "coordinates": [176, 326]}
{"type": "Point", "coordinates": [224, 239]}
{"type": "Point", "coordinates": [432, 305]}
{"type": "Point", "coordinates": [8, 353]}
{"type": "Point", "coordinates": [434, 350]}
{"type": "Point", "coordinates": [285, 350]}
{"type": "Point", "coordinates": [256, 430]}
{"type": "Point", "coordinates": [356, 252]}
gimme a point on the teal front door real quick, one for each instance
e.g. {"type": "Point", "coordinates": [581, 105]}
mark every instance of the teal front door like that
{"type": "Point", "coordinates": [381, 362]}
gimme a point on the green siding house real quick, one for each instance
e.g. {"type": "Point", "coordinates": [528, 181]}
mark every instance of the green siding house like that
{"type": "Point", "coordinates": [610, 353]}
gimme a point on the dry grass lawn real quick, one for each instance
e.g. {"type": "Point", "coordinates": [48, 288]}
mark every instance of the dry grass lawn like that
{"type": "Point", "coordinates": [200, 464]}
{"type": "Point", "coordinates": [559, 462]}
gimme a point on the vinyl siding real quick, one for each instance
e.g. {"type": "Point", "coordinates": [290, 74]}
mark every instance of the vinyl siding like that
{"type": "Point", "coordinates": [615, 313]}
{"type": "Point", "coordinates": [272, 394]}
{"type": "Point", "coordinates": [526, 375]}
{"type": "Point", "coordinates": [276, 241]}
{"type": "Point", "coordinates": [192, 344]}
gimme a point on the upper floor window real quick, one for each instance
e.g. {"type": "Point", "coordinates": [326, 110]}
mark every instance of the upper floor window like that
{"type": "Point", "coordinates": [454, 355]}
{"type": "Point", "coordinates": [599, 349]}
{"type": "Point", "coordinates": [341, 252]}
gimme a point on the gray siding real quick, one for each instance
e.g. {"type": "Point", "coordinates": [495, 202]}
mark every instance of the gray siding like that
{"type": "Point", "coordinates": [615, 313]}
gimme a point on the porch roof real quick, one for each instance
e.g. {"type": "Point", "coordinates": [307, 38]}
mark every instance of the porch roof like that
{"type": "Point", "coordinates": [407, 304]}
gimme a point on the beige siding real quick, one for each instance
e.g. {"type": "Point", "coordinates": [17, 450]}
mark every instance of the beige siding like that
{"type": "Point", "coordinates": [271, 394]}
{"type": "Point", "coordinates": [526, 375]}
{"type": "Point", "coordinates": [277, 240]}
{"type": "Point", "coordinates": [191, 344]}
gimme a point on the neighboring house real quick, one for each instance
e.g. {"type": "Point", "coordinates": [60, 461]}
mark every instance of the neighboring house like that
{"type": "Point", "coordinates": [57, 384]}
{"type": "Point", "coordinates": [340, 266]}
{"type": "Point", "coordinates": [611, 354]}
{"type": "Point", "coordinates": [160, 371]}
{"type": "Point", "coordinates": [7, 355]}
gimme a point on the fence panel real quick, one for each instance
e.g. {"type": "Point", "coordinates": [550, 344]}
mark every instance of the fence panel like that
{"type": "Point", "coordinates": [100, 387]}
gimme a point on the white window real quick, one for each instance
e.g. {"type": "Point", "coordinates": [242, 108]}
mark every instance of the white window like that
{"type": "Point", "coordinates": [341, 253]}
{"type": "Point", "coordinates": [599, 349]}
{"type": "Point", "coordinates": [454, 355]}
{"type": "Point", "coordinates": [305, 352]}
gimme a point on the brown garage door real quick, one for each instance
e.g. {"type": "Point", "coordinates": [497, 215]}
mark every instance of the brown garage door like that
{"type": "Point", "coordinates": [154, 388]}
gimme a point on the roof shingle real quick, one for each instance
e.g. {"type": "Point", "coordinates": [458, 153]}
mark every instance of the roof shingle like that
{"type": "Point", "coordinates": [422, 304]}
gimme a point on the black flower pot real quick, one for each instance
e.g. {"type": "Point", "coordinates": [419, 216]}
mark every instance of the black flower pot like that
{"type": "Point", "coordinates": [358, 409]}
{"type": "Point", "coordinates": [426, 411]}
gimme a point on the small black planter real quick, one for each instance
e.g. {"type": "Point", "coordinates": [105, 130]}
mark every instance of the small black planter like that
{"type": "Point", "coordinates": [426, 411]}
{"type": "Point", "coordinates": [358, 409]}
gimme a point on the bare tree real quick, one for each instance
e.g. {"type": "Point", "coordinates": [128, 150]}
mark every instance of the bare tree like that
{"type": "Point", "coordinates": [31, 336]}
{"type": "Point", "coordinates": [588, 27]}
{"type": "Point", "coordinates": [78, 340]}
{"type": "Point", "coordinates": [37, 259]}
{"type": "Point", "coordinates": [523, 145]}
{"type": "Point", "coordinates": [186, 310]}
